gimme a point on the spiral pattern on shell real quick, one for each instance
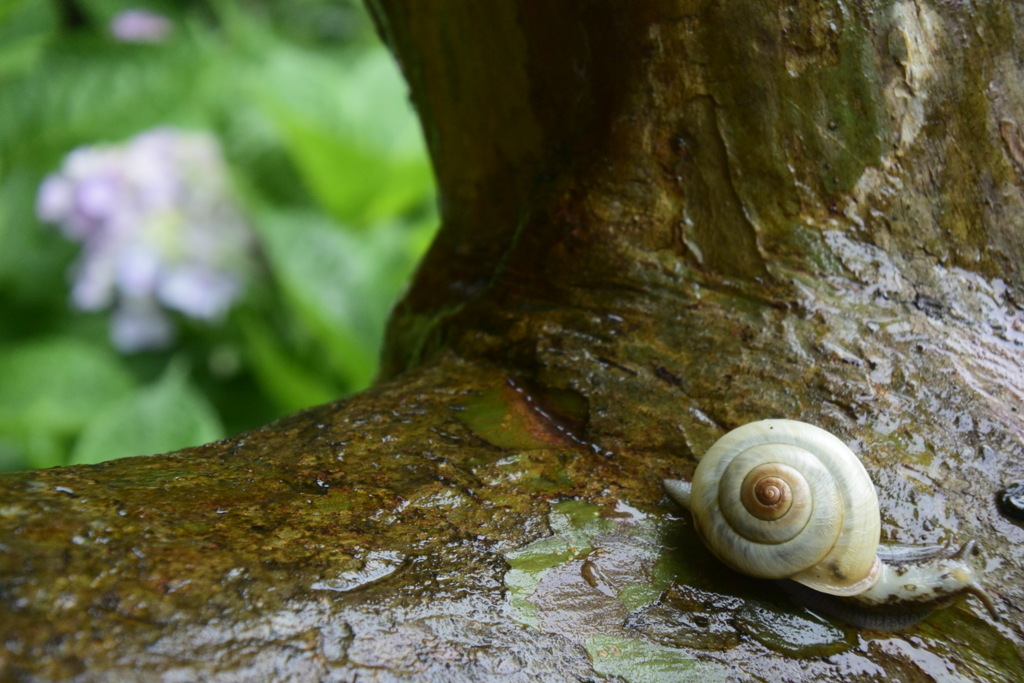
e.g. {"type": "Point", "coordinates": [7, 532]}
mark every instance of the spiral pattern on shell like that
{"type": "Point", "coordinates": [784, 499]}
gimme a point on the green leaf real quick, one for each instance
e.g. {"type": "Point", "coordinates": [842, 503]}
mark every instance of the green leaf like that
{"type": "Point", "coordinates": [21, 54]}
{"type": "Point", "coordinates": [87, 90]}
{"type": "Point", "coordinates": [165, 416]}
{"type": "Point", "coordinates": [341, 284]}
{"type": "Point", "coordinates": [25, 28]}
{"type": "Point", "coordinates": [350, 131]}
{"type": "Point", "coordinates": [57, 385]}
{"type": "Point", "coordinates": [34, 258]}
{"type": "Point", "coordinates": [34, 450]}
{"type": "Point", "coordinates": [291, 385]}
{"type": "Point", "coordinates": [11, 456]}
{"type": "Point", "coordinates": [351, 182]}
{"type": "Point", "coordinates": [331, 280]}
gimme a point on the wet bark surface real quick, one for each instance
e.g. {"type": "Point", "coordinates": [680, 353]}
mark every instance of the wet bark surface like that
{"type": "Point", "coordinates": [661, 222]}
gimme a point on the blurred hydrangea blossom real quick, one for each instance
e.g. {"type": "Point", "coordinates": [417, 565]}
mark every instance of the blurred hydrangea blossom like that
{"type": "Point", "coordinates": [159, 231]}
{"type": "Point", "coordinates": [140, 26]}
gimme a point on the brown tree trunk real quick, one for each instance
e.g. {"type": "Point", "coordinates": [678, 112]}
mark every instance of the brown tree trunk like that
{"type": "Point", "coordinates": [662, 219]}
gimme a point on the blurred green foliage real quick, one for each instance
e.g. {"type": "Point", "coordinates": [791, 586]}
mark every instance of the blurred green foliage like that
{"type": "Point", "coordinates": [330, 168]}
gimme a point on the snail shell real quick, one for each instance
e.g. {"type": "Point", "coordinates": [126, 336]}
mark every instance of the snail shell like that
{"type": "Point", "coordinates": [781, 499]}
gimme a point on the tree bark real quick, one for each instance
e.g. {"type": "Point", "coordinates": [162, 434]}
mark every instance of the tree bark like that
{"type": "Point", "coordinates": [662, 220]}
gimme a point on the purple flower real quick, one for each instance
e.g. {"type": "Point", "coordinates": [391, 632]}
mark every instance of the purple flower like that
{"type": "Point", "coordinates": [139, 325]}
{"type": "Point", "coordinates": [159, 232]}
{"type": "Point", "coordinates": [140, 26]}
{"type": "Point", "coordinates": [198, 291]}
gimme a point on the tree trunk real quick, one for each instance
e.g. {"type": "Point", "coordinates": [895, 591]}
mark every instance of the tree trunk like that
{"type": "Point", "coordinates": [662, 220]}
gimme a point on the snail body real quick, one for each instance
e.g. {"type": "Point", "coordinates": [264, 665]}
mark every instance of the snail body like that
{"type": "Point", "coordinates": [781, 499]}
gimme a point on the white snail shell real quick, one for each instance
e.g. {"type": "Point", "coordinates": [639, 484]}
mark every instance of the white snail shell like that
{"type": "Point", "coordinates": [781, 499]}
{"type": "Point", "coordinates": [784, 499]}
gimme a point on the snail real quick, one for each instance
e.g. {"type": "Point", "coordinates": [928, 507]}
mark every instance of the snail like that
{"type": "Point", "coordinates": [781, 499]}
